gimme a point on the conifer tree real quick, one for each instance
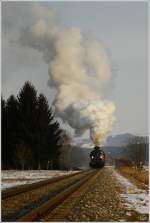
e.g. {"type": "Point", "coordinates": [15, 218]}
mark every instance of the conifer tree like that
{"type": "Point", "coordinates": [48, 134]}
{"type": "Point", "coordinates": [30, 134]}
{"type": "Point", "coordinates": [27, 100]}
{"type": "Point", "coordinates": [11, 132]}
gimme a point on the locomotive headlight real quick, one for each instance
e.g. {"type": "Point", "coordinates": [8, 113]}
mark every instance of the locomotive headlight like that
{"type": "Point", "coordinates": [92, 157]}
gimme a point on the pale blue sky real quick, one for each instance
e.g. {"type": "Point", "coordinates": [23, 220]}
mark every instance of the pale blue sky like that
{"type": "Point", "coordinates": [121, 26]}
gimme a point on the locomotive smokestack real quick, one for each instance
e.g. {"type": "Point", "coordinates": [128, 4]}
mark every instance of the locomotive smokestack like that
{"type": "Point", "coordinates": [97, 147]}
{"type": "Point", "coordinates": [79, 70]}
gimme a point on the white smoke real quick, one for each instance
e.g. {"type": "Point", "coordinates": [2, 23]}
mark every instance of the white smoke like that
{"type": "Point", "coordinates": [79, 70]}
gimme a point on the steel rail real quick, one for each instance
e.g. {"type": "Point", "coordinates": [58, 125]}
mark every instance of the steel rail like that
{"type": "Point", "coordinates": [25, 188]}
{"type": "Point", "coordinates": [52, 203]}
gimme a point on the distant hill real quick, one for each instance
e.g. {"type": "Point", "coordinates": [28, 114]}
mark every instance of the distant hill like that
{"type": "Point", "coordinates": [124, 152]}
{"type": "Point", "coordinates": [117, 140]}
{"type": "Point", "coordinates": [115, 147]}
{"type": "Point", "coordinates": [121, 140]}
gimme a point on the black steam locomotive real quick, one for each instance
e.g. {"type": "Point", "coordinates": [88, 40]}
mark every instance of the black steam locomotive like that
{"type": "Point", "coordinates": [97, 158]}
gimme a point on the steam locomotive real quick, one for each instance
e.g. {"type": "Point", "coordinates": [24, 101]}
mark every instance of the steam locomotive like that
{"type": "Point", "coordinates": [97, 158]}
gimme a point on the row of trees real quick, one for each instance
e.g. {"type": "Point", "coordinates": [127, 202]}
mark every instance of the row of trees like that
{"type": "Point", "coordinates": [136, 153]}
{"type": "Point", "coordinates": [138, 147]}
{"type": "Point", "coordinates": [31, 137]}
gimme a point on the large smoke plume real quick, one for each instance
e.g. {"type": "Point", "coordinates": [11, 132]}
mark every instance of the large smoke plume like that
{"type": "Point", "coordinates": [79, 69]}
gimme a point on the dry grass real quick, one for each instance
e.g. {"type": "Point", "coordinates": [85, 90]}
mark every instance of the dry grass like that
{"type": "Point", "coordinates": [142, 176]}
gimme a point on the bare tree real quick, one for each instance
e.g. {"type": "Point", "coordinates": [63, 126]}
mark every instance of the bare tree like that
{"type": "Point", "coordinates": [65, 156]}
{"type": "Point", "coordinates": [137, 152]}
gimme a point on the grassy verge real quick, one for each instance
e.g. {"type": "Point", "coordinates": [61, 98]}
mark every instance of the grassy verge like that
{"type": "Point", "coordinates": [141, 176]}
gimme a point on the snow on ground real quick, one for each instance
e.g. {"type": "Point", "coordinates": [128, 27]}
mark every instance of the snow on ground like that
{"type": "Point", "coordinates": [135, 199]}
{"type": "Point", "coordinates": [146, 168]}
{"type": "Point", "coordinates": [12, 178]}
{"type": "Point", "coordinates": [7, 184]}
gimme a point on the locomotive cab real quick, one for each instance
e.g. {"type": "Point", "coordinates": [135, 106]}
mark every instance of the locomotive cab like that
{"type": "Point", "coordinates": [97, 157]}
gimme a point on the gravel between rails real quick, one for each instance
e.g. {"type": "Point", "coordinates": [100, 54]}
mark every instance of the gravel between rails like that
{"type": "Point", "coordinates": [98, 200]}
{"type": "Point", "coordinates": [15, 207]}
{"type": "Point", "coordinates": [102, 202]}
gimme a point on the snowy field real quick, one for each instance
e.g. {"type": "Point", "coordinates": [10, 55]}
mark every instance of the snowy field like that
{"type": "Point", "coordinates": [12, 178]}
{"type": "Point", "coordinates": [135, 199]}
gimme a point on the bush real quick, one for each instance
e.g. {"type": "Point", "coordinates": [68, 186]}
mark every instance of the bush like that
{"type": "Point", "coordinates": [142, 176]}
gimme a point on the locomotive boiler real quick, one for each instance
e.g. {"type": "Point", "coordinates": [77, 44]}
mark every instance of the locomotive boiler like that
{"type": "Point", "coordinates": [97, 157]}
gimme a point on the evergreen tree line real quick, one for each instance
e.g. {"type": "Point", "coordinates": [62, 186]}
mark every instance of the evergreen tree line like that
{"type": "Point", "coordinates": [31, 137]}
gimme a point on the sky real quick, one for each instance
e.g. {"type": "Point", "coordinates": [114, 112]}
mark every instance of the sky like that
{"type": "Point", "coordinates": [123, 29]}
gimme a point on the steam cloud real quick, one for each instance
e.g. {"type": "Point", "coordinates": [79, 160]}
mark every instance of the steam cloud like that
{"type": "Point", "coordinates": [79, 70]}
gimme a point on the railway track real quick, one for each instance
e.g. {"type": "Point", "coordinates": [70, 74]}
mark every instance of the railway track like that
{"type": "Point", "coordinates": [25, 188]}
{"type": "Point", "coordinates": [32, 202]}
